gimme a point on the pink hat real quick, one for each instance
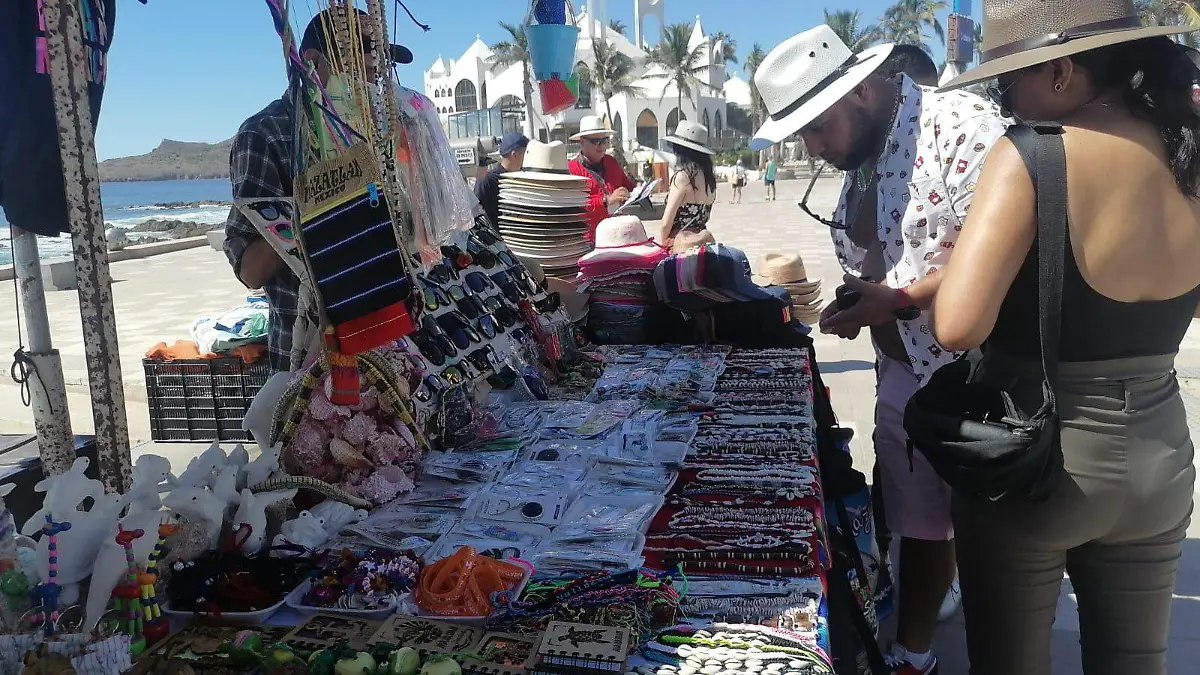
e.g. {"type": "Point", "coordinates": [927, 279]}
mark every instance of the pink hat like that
{"type": "Point", "coordinates": [622, 237]}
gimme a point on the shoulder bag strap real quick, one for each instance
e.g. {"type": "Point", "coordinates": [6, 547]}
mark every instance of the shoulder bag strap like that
{"type": "Point", "coordinates": [1041, 146]}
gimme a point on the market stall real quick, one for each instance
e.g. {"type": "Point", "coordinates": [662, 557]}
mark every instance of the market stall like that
{"type": "Point", "coordinates": [454, 480]}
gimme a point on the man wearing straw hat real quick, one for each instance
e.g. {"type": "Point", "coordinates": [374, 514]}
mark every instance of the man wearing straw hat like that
{"type": "Point", "coordinates": [608, 184]}
{"type": "Point", "coordinates": [911, 157]}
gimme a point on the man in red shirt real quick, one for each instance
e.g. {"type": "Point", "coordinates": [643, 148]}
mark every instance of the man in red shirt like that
{"type": "Point", "coordinates": [608, 184]}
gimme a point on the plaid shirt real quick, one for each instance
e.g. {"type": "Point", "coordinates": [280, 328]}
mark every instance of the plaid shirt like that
{"type": "Point", "coordinates": [260, 165]}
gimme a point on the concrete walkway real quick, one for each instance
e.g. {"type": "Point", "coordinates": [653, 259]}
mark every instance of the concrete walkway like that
{"type": "Point", "coordinates": [158, 299]}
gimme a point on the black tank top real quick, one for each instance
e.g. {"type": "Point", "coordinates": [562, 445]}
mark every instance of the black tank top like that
{"type": "Point", "coordinates": [1094, 327]}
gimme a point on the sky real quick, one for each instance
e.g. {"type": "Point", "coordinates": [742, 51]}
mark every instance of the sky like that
{"type": "Point", "coordinates": [193, 70]}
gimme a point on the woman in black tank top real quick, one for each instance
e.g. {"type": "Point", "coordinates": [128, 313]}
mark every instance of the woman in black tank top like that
{"type": "Point", "coordinates": [1118, 518]}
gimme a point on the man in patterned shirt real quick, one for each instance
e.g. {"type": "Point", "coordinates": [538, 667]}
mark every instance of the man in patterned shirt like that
{"type": "Point", "coordinates": [260, 165]}
{"type": "Point", "coordinates": [911, 157]}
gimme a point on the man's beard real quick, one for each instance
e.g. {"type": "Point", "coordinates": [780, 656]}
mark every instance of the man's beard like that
{"type": "Point", "coordinates": [865, 147]}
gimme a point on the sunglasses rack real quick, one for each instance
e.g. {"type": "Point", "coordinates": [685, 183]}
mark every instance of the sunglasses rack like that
{"type": "Point", "coordinates": [471, 320]}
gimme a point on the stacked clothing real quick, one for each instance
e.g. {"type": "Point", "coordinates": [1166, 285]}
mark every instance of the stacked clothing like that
{"type": "Point", "coordinates": [619, 275]}
{"type": "Point", "coordinates": [710, 275]}
{"type": "Point", "coordinates": [542, 210]}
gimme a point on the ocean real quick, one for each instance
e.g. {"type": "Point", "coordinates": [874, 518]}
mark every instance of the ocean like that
{"type": "Point", "coordinates": [130, 203]}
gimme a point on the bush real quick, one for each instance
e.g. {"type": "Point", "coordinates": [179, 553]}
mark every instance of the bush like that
{"type": "Point", "coordinates": [730, 157]}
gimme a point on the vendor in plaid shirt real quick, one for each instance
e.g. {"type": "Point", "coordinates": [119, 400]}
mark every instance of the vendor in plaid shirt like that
{"type": "Point", "coordinates": [260, 165]}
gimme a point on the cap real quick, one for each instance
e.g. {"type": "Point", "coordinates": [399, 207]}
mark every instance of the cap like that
{"type": "Point", "coordinates": [513, 140]}
{"type": "Point", "coordinates": [315, 37]}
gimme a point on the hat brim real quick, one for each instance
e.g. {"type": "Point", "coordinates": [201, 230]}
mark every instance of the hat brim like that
{"type": "Point", "coordinates": [542, 177]}
{"type": "Point", "coordinates": [621, 253]}
{"type": "Point", "coordinates": [777, 130]}
{"type": "Point", "coordinates": [401, 54]}
{"type": "Point", "coordinates": [689, 144]}
{"type": "Point", "coordinates": [594, 133]}
{"type": "Point", "coordinates": [1007, 64]}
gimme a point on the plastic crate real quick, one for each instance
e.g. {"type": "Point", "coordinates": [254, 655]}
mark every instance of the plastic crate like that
{"type": "Point", "coordinates": [201, 400]}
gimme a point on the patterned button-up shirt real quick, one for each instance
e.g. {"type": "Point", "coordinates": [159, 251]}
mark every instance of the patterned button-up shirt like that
{"type": "Point", "coordinates": [926, 180]}
{"type": "Point", "coordinates": [260, 165]}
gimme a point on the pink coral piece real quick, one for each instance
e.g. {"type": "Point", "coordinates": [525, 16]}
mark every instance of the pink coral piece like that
{"type": "Point", "coordinates": [405, 433]}
{"type": "Point", "coordinates": [358, 429]}
{"type": "Point", "coordinates": [384, 447]}
{"type": "Point", "coordinates": [368, 401]}
{"type": "Point", "coordinates": [309, 444]}
{"type": "Point", "coordinates": [380, 490]}
{"type": "Point", "coordinates": [320, 407]}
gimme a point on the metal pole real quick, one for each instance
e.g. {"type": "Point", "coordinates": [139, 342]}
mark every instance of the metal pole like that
{"type": "Point", "coordinates": [76, 144]}
{"type": "Point", "coordinates": [47, 392]}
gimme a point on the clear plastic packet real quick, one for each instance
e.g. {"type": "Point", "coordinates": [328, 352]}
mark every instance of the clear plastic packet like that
{"type": "Point", "coordinates": [558, 476]}
{"type": "Point", "coordinates": [395, 528]}
{"type": "Point", "coordinates": [559, 559]}
{"type": "Point", "coordinates": [430, 178]}
{"type": "Point", "coordinates": [646, 476]}
{"type": "Point", "coordinates": [479, 467]}
{"type": "Point", "coordinates": [440, 493]}
{"type": "Point", "coordinates": [498, 540]}
{"type": "Point", "coordinates": [604, 488]}
{"type": "Point", "coordinates": [520, 505]}
{"type": "Point", "coordinates": [571, 451]}
{"type": "Point", "coordinates": [596, 518]}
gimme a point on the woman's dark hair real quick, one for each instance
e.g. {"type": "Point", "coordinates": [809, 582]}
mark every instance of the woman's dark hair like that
{"type": "Point", "coordinates": [695, 164]}
{"type": "Point", "coordinates": [1155, 78]}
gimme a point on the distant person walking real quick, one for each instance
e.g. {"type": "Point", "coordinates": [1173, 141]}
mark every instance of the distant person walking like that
{"type": "Point", "coordinates": [769, 178]}
{"type": "Point", "coordinates": [739, 182]}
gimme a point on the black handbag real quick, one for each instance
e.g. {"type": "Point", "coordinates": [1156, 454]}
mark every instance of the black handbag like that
{"type": "Point", "coordinates": [971, 432]}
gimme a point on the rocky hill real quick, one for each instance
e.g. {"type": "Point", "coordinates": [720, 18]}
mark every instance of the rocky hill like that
{"type": "Point", "coordinates": [171, 160]}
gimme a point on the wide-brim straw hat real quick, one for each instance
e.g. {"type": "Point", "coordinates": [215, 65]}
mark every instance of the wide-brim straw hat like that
{"type": "Point", "coordinates": [804, 76]}
{"type": "Point", "coordinates": [785, 269]}
{"type": "Point", "coordinates": [1022, 33]}
{"type": "Point", "coordinates": [690, 135]}
{"type": "Point", "coordinates": [592, 126]}
{"type": "Point", "coordinates": [545, 163]}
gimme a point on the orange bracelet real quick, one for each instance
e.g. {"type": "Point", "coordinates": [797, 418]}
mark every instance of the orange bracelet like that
{"type": "Point", "coordinates": [463, 584]}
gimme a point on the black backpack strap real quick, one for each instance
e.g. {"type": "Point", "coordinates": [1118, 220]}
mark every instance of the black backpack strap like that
{"type": "Point", "coordinates": [1041, 147]}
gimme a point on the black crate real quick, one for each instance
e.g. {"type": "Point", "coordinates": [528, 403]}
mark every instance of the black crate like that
{"type": "Point", "coordinates": [201, 400]}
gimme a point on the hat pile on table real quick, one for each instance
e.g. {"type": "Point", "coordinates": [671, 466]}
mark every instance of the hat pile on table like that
{"type": "Point", "coordinates": [787, 271]}
{"type": "Point", "coordinates": [619, 275]}
{"type": "Point", "coordinates": [542, 210]}
{"type": "Point", "coordinates": [710, 275]}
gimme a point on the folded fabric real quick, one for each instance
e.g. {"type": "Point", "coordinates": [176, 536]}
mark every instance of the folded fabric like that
{"type": "Point", "coordinates": [188, 350]}
{"type": "Point", "coordinates": [247, 324]}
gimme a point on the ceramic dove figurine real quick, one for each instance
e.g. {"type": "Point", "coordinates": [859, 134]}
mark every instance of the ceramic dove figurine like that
{"type": "Point", "coordinates": [335, 516]}
{"type": "Point", "coordinates": [305, 530]}
{"type": "Point", "coordinates": [199, 471]}
{"type": "Point", "coordinates": [238, 457]}
{"type": "Point", "coordinates": [253, 512]}
{"type": "Point", "coordinates": [198, 505]}
{"type": "Point", "coordinates": [64, 493]}
{"type": "Point", "coordinates": [150, 474]}
{"type": "Point", "coordinates": [261, 467]}
{"type": "Point", "coordinates": [225, 485]}
{"type": "Point", "coordinates": [78, 547]}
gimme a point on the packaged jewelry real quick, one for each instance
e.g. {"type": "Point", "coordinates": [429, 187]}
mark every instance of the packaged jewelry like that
{"type": "Point", "coordinates": [520, 505]}
{"type": "Point", "coordinates": [644, 476]}
{"type": "Point", "coordinates": [557, 476]}
{"type": "Point", "coordinates": [439, 493]}
{"type": "Point", "coordinates": [591, 518]}
{"type": "Point", "coordinates": [479, 467]}
{"type": "Point", "coordinates": [390, 526]}
{"type": "Point", "coordinates": [605, 488]}
{"type": "Point", "coordinates": [597, 556]}
{"type": "Point", "coordinates": [503, 541]}
{"type": "Point", "coordinates": [571, 451]}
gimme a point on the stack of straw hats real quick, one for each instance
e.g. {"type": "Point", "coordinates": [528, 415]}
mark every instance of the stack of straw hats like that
{"type": "Point", "coordinates": [542, 210]}
{"type": "Point", "coordinates": [787, 271]}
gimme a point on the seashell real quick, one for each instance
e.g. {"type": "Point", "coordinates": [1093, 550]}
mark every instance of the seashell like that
{"type": "Point", "coordinates": [347, 455]}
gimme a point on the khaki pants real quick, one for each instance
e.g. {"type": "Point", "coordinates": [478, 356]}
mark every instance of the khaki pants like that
{"type": "Point", "coordinates": [1115, 525]}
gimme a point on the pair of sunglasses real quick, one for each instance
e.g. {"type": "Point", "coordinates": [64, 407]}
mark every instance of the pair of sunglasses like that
{"type": "Point", "coordinates": [548, 304]}
{"type": "Point", "coordinates": [442, 272]}
{"type": "Point", "coordinates": [431, 386]}
{"type": "Point", "coordinates": [435, 346]}
{"type": "Point", "coordinates": [485, 358]}
{"type": "Point", "coordinates": [471, 306]}
{"type": "Point", "coordinates": [433, 295]}
{"type": "Point", "coordinates": [458, 329]}
{"type": "Point", "coordinates": [513, 292]}
{"type": "Point", "coordinates": [481, 255]}
{"type": "Point", "coordinates": [457, 258]}
{"type": "Point", "coordinates": [505, 314]}
{"type": "Point", "coordinates": [522, 277]}
{"type": "Point", "coordinates": [483, 236]}
{"type": "Point", "coordinates": [489, 326]}
{"type": "Point", "coordinates": [454, 375]}
{"type": "Point", "coordinates": [503, 378]}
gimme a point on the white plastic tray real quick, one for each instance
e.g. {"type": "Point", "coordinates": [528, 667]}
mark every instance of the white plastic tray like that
{"type": "Point", "coordinates": [295, 600]}
{"type": "Point", "coordinates": [235, 618]}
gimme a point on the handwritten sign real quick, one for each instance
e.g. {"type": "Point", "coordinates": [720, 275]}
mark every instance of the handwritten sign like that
{"type": "Point", "coordinates": [332, 182]}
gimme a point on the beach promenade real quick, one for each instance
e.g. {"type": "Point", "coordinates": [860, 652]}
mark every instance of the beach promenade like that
{"type": "Point", "coordinates": [158, 298]}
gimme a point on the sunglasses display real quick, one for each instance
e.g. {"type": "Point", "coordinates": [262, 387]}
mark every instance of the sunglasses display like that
{"type": "Point", "coordinates": [522, 278]}
{"type": "Point", "coordinates": [471, 306]}
{"type": "Point", "coordinates": [485, 358]}
{"type": "Point", "coordinates": [484, 237]}
{"type": "Point", "coordinates": [428, 348]}
{"type": "Point", "coordinates": [478, 281]}
{"type": "Point", "coordinates": [548, 304]}
{"type": "Point", "coordinates": [508, 258]}
{"type": "Point", "coordinates": [489, 326]}
{"type": "Point", "coordinates": [483, 257]}
{"type": "Point", "coordinates": [433, 295]}
{"type": "Point", "coordinates": [453, 375]}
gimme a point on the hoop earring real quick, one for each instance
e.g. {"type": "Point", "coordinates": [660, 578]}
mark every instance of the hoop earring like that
{"type": "Point", "coordinates": [1058, 87]}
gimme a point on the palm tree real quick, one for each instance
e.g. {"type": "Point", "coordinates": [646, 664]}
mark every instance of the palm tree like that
{"type": "Point", "coordinates": [753, 61]}
{"type": "Point", "coordinates": [678, 63]}
{"type": "Point", "coordinates": [617, 26]}
{"type": "Point", "coordinates": [511, 52]}
{"type": "Point", "coordinates": [728, 46]}
{"type": "Point", "coordinates": [905, 22]}
{"type": "Point", "coordinates": [613, 74]}
{"type": "Point", "coordinates": [1170, 13]}
{"type": "Point", "coordinates": [978, 41]}
{"type": "Point", "coordinates": [850, 27]}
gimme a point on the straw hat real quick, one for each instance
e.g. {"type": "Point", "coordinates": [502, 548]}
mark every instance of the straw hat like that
{"type": "Point", "coordinates": [592, 126]}
{"type": "Point", "coordinates": [545, 163]}
{"type": "Point", "coordinates": [804, 76]}
{"type": "Point", "coordinates": [778, 269]}
{"type": "Point", "coordinates": [1022, 33]}
{"type": "Point", "coordinates": [690, 135]}
{"type": "Point", "coordinates": [621, 237]}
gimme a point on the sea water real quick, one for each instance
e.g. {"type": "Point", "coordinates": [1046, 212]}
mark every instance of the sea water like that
{"type": "Point", "coordinates": [128, 203]}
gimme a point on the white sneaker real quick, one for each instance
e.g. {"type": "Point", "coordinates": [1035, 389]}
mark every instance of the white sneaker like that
{"type": "Point", "coordinates": [951, 602]}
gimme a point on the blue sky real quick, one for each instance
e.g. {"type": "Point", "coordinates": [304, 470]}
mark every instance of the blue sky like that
{"type": "Point", "coordinates": [192, 70]}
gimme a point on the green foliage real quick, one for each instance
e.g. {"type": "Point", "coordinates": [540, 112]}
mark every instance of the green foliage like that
{"type": "Point", "coordinates": [680, 64]}
{"type": "Point", "coordinates": [906, 21]}
{"type": "Point", "coordinates": [728, 46]}
{"type": "Point", "coordinates": [617, 26]}
{"type": "Point", "coordinates": [850, 27]}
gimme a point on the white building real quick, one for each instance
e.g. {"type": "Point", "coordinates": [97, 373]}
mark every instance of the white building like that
{"type": "Point", "coordinates": [470, 83]}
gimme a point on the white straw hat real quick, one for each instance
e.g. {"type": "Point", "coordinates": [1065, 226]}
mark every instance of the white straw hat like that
{"type": "Point", "coordinates": [545, 162]}
{"type": "Point", "coordinates": [804, 76]}
{"type": "Point", "coordinates": [690, 135]}
{"type": "Point", "coordinates": [592, 126]}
